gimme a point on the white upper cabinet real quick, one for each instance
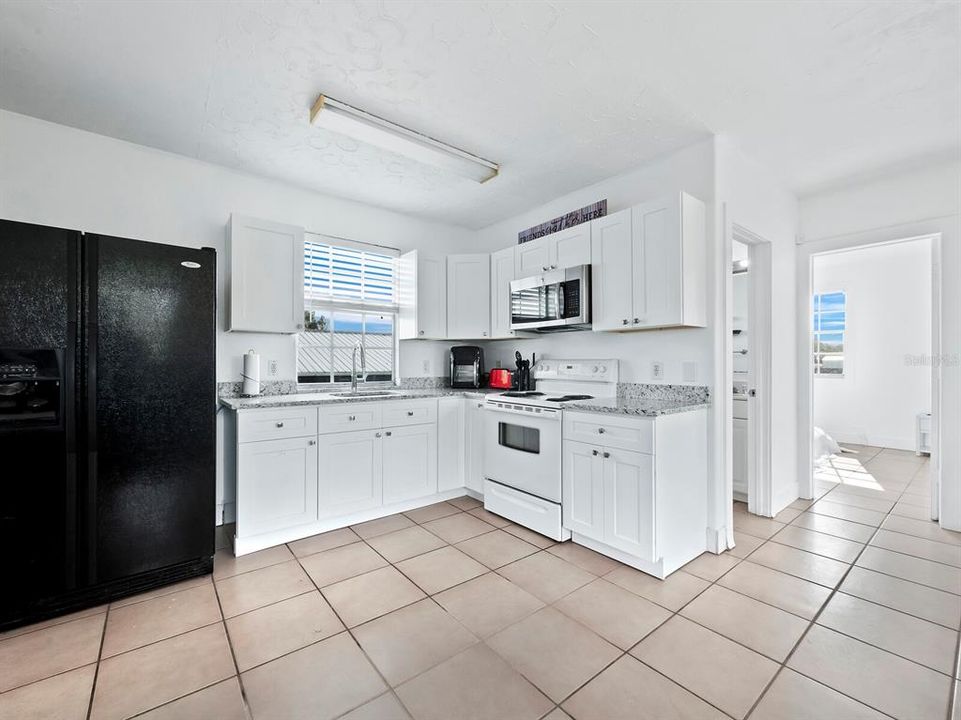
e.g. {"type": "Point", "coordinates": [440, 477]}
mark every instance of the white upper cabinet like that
{"type": "Point", "coordinates": [571, 247]}
{"type": "Point", "coordinates": [266, 261]}
{"type": "Point", "coordinates": [562, 249]}
{"type": "Point", "coordinates": [422, 296]}
{"type": "Point", "coordinates": [468, 296]}
{"type": "Point", "coordinates": [531, 258]}
{"type": "Point", "coordinates": [650, 269]}
{"type": "Point", "coordinates": [502, 272]}
{"type": "Point", "coordinates": [611, 272]}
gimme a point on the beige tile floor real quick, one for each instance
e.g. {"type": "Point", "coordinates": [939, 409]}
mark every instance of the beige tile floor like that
{"type": "Point", "coordinates": [845, 607]}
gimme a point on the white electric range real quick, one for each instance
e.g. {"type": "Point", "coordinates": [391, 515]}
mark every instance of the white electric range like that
{"type": "Point", "coordinates": [522, 441]}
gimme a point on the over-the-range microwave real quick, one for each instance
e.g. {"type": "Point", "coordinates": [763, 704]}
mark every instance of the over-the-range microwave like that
{"type": "Point", "coordinates": [553, 300]}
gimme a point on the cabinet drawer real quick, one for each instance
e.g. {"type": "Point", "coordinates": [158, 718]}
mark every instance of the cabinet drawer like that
{"type": "Point", "coordinates": [341, 418]}
{"type": "Point", "coordinates": [276, 423]}
{"type": "Point", "coordinates": [629, 433]}
{"type": "Point", "coordinates": [417, 412]}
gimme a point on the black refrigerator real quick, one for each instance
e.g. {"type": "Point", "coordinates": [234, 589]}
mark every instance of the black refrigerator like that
{"type": "Point", "coordinates": [107, 417]}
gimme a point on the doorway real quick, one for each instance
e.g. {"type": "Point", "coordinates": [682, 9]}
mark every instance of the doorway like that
{"type": "Point", "coordinates": [873, 381]}
{"type": "Point", "coordinates": [748, 361]}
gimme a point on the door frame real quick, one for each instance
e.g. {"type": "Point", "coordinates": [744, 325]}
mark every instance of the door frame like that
{"type": "Point", "coordinates": [807, 253]}
{"type": "Point", "coordinates": [760, 489]}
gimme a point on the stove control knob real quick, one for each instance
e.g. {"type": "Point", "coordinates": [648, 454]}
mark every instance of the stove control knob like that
{"type": "Point", "coordinates": [595, 369]}
{"type": "Point", "coordinates": [603, 368]}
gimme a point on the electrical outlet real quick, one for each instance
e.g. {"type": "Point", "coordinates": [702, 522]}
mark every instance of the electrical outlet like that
{"type": "Point", "coordinates": [498, 364]}
{"type": "Point", "coordinates": [272, 367]}
{"type": "Point", "coordinates": [689, 371]}
{"type": "Point", "coordinates": [657, 370]}
{"type": "Point", "coordinates": [426, 367]}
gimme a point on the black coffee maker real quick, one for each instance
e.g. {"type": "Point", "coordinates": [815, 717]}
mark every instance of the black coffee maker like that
{"type": "Point", "coordinates": [466, 366]}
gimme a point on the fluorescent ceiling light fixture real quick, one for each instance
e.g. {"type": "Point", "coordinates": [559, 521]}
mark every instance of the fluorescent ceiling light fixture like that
{"type": "Point", "coordinates": [345, 119]}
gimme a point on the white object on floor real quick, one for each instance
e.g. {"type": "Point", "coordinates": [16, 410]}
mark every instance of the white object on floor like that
{"type": "Point", "coordinates": [824, 445]}
{"type": "Point", "coordinates": [922, 435]}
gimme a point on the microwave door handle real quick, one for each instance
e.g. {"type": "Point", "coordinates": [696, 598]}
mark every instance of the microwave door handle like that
{"type": "Point", "coordinates": [560, 301]}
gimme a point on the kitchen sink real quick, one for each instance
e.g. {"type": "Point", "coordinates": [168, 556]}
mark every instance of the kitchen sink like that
{"type": "Point", "coordinates": [365, 393]}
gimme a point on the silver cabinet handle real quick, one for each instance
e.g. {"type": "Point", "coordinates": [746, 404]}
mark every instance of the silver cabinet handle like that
{"type": "Point", "coordinates": [594, 452]}
{"type": "Point", "coordinates": [601, 431]}
{"type": "Point", "coordinates": [553, 267]}
{"type": "Point", "coordinates": [410, 413]}
{"type": "Point", "coordinates": [280, 424]}
{"type": "Point", "coordinates": [544, 268]}
{"type": "Point", "coordinates": [624, 321]}
{"type": "Point", "coordinates": [607, 454]}
{"type": "Point", "coordinates": [421, 332]}
{"type": "Point", "coordinates": [484, 333]}
{"type": "Point", "coordinates": [636, 321]}
{"type": "Point", "coordinates": [311, 442]}
{"type": "Point", "coordinates": [388, 433]}
{"type": "Point", "coordinates": [480, 405]}
{"type": "Point", "coordinates": [351, 417]}
{"type": "Point", "coordinates": [376, 434]}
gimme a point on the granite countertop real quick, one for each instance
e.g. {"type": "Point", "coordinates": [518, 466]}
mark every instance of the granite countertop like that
{"type": "Point", "coordinates": [648, 407]}
{"type": "Point", "coordinates": [296, 399]}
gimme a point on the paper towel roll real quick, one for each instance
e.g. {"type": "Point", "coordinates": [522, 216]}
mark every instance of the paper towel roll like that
{"type": "Point", "coordinates": [251, 373]}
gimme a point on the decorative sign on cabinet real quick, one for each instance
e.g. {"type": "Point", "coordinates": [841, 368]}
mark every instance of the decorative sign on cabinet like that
{"type": "Point", "coordinates": [266, 286]}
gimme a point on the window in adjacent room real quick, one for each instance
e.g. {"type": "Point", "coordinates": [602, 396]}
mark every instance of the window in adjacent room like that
{"type": "Point", "coordinates": [827, 336]}
{"type": "Point", "coordinates": [350, 300]}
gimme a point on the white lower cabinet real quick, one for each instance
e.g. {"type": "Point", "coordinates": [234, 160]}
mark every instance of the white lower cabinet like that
{"type": "Point", "coordinates": [276, 484]}
{"type": "Point", "coordinates": [475, 446]}
{"type": "Point", "coordinates": [451, 438]}
{"type": "Point", "coordinates": [409, 457]}
{"type": "Point", "coordinates": [639, 496]}
{"type": "Point", "coordinates": [609, 497]}
{"type": "Point", "coordinates": [349, 477]}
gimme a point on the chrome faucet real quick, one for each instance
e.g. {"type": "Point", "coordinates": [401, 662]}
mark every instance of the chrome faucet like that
{"type": "Point", "coordinates": [353, 366]}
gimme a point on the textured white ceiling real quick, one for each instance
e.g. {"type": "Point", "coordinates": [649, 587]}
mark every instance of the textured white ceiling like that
{"type": "Point", "coordinates": [561, 93]}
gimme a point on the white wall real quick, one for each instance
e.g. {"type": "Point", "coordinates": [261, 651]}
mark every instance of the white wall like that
{"type": "Point", "coordinates": [54, 175]}
{"type": "Point", "coordinates": [690, 170]}
{"type": "Point", "coordinates": [888, 318]}
{"type": "Point", "coordinates": [925, 201]}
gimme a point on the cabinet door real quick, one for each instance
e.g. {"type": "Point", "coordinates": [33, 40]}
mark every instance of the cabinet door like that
{"type": "Point", "coordinates": [410, 462]}
{"type": "Point", "coordinates": [350, 472]}
{"type": "Point", "coordinates": [422, 296]}
{"type": "Point", "coordinates": [611, 272]}
{"type": "Point", "coordinates": [629, 502]}
{"type": "Point", "coordinates": [570, 247]}
{"type": "Point", "coordinates": [531, 258]}
{"type": "Point", "coordinates": [266, 282]}
{"type": "Point", "coordinates": [657, 264]}
{"type": "Point", "coordinates": [468, 297]}
{"type": "Point", "coordinates": [276, 484]}
{"type": "Point", "coordinates": [502, 272]}
{"type": "Point", "coordinates": [451, 451]}
{"type": "Point", "coordinates": [583, 474]}
{"type": "Point", "coordinates": [475, 445]}
{"type": "Point", "coordinates": [740, 454]}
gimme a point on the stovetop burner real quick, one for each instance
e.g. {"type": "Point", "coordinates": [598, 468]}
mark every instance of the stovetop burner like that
{"type": "Point", "coordinates": [522, 393]}
{"type": "Point", "coordinates": [566, 398]}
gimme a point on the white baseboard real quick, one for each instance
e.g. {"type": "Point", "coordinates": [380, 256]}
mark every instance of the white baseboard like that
{"type": "Point", "coordinates": [867, 438]}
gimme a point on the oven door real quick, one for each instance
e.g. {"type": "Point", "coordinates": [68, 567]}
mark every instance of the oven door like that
{"type": "Point", "coordinates": [522, 448]}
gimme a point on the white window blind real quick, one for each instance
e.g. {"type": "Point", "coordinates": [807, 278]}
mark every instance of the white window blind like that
{"type": "Point", "coordinates": [349, 276]}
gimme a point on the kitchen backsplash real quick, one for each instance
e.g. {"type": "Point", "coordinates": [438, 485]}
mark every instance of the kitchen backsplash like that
{"type": "Point", "coordinates": [654, 391]}
{"type": "Point", "coordinates": [270, 387]}
{"type": "Point", "coordinates": [424, 383]}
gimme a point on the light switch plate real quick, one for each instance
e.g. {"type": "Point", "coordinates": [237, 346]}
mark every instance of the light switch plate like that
{"type": "Point", "coordinates": [426, 367]}
{"type": "Point", "coordinates": [657, 370]}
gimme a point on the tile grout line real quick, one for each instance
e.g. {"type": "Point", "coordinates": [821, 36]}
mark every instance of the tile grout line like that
{"type": "Point", "coordinates": [812, 623]}
{"type": "Point", "coordinates": [233, 655]}
{"type": "Point", "coordinates": [96, 670]}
